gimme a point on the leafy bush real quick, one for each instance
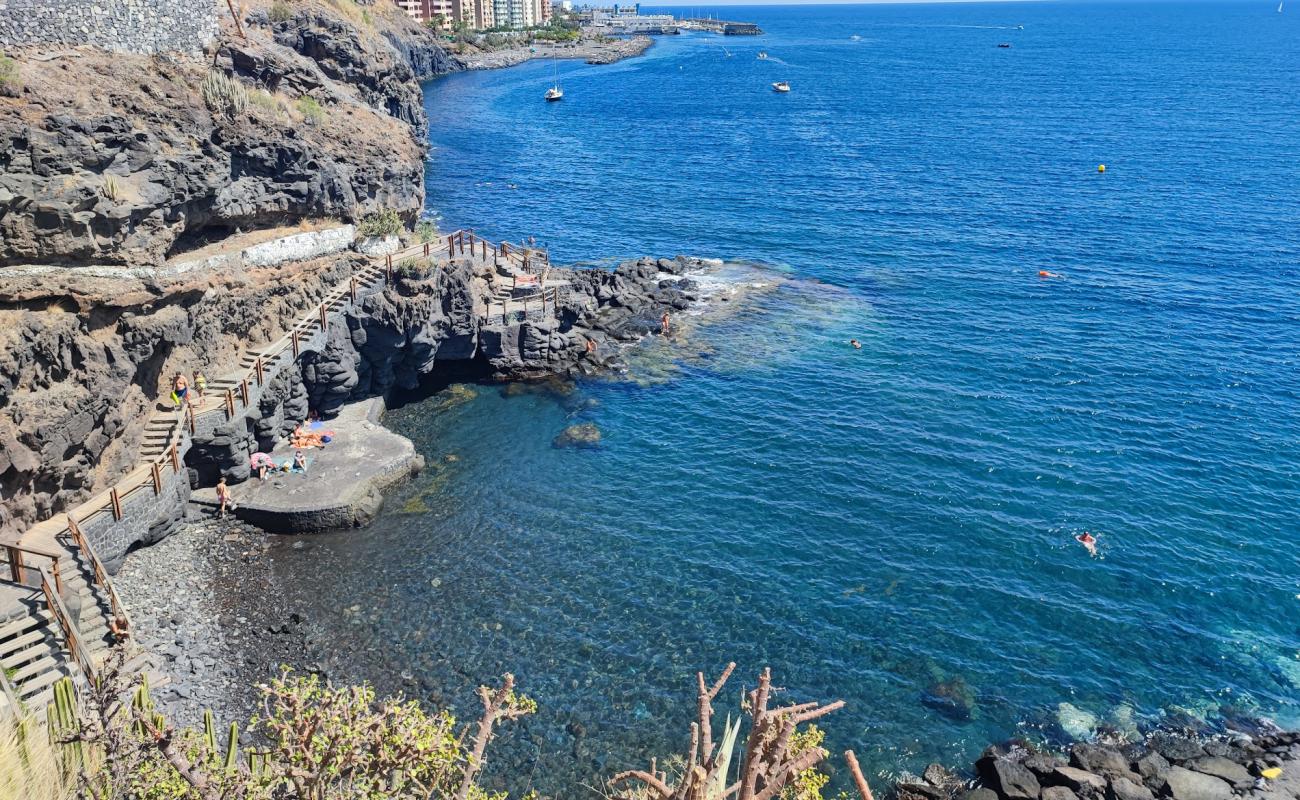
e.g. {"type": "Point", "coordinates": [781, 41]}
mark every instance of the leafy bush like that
{"type": "Point", "coordinates": [415, 269]}
{"type": "Point", "coordinates": [280, 12]}
{"type": "Point", "coordinates": [357, 747]}
{"type": "Point", "coordinates": [426, 231]}
{"type": "Point", "coordinates": [385, 223]}
{"type": "Point", "coordinates": [312, 111]}
{"type": "Point", "coordinates": [10, 81]}
{"type": "Point", "coordinates": [223, 94]}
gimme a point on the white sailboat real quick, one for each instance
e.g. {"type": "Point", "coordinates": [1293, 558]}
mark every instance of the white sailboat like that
{"type": "Point", "coordinates": [555, 92]}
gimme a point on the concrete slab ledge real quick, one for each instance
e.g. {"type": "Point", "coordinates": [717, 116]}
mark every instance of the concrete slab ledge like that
{"type": "Point", "coordinates": [343, 486]}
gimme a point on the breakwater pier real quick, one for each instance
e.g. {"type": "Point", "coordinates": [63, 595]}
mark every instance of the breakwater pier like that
{"type": "Point", "coordinates": [724, 27]}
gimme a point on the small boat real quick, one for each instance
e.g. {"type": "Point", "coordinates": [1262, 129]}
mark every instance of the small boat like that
{"type": "Point", "coordinates": [762, 55]}
{"type": "Point", "coordinates": [555, 92]}
{"type": "Point", "coordinates": [1004, 44]}
{"type": "Point", "coordinates": [781, 86]}
{"type": "Point", "coordinates": [855, 37]}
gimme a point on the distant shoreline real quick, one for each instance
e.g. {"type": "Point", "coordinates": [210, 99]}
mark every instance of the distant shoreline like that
{"type": "Point", "coordinates": [593, 52]}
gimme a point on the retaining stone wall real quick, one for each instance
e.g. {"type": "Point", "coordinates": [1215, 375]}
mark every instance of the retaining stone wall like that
{"type": "Point", "coordinates": [146, 517]}
{"type": "Point", "coordinates": [132, 26]}
{"type": "Point", "coordinates": [300, 246]}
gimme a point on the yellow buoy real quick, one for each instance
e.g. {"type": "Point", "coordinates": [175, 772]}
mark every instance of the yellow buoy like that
{"type": "Point", "coordinates": [1271, 772]}
{"type": "Point", "coordinates": [1101, 167]}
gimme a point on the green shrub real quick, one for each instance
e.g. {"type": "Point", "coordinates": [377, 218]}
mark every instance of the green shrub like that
{"type": "Point", "coordinates": [280, 12]}
{"type": "Point", "coordinates": [223, 94]}
{"type": "Point", "coordinates": [414, 268]}
{"type": "Point", "coordinates": [10, 81]}
{"type": "Point", "coordinates": [267, 103]}
{"type": "Point", "coordinates": [385, 223]}
{"type": "Point", "coordinates": [426, 231]}
{"type": "Point", "coordinates": [312, 111]}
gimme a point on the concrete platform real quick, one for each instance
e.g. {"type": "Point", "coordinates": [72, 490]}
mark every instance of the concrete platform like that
{"type": "Point", "coordinates": [344, 483]}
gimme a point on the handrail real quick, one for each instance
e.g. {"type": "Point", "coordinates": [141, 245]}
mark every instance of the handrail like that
{"type": "Point", "coordinates": [11, 697]}
{"type": "Point", "coordinates": [18, 568]}
{"type": "Point", "coordinates": [120, 624]}
{"type": "Point", "coordinates": [455, 243]}
{"type": "Point", "coordinates": [71, 634]}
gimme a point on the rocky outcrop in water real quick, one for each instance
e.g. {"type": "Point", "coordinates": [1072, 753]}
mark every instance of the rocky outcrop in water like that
{"type": "Point", "coordinates": [601, 309]}
{"type": "Point", "coordinates": [1262, 764]}
{"type": "Point", "coordinates": [431, 317]}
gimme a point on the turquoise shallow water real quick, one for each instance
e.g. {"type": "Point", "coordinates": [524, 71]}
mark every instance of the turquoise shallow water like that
{"type": "Point", "coordinates": [870, 522]}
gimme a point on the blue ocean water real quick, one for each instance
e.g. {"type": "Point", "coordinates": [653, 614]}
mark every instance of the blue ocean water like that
{"type": "Point", "coordinates": [872, 522]}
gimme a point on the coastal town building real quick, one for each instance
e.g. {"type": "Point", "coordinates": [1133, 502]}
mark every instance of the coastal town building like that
{"type": "Point", "coordinates": [520, 13]}
{"type": "Point", "coordinates": [476, 14]}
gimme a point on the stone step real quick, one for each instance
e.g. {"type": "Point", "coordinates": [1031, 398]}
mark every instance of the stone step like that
{"type": "Point", "coordinates": [33, 689]}
{"type": "Point", "coordinates": [23, 623]}
{"type": "Point", "coordinates": [28, 647]}
{"type": "Point", "coordinates": [23, 675]}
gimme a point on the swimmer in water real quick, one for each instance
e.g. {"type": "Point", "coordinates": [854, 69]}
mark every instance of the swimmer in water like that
{"type": "Point", "coordinates": [1089, 543]}
{"type": "Point", "coordinates": [1042, 273]}
{"type": "Point", "coordinates": [856, 344]}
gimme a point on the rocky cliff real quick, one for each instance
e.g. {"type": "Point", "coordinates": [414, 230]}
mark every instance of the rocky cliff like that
{"type": "Point", "coordinates": [113, 166]}
{"type": "Point", "coordinates": [124, 159]}
{"type": "Point", "coordinates": [432, 315]}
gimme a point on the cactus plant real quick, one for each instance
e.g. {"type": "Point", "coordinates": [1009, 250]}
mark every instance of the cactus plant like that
{"type": "Point", "coordinates": [232, 748]}
{"type": "Point", "coordinates": [223, 94]}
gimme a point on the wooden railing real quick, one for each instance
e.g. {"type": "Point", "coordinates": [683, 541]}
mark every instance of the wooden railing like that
{"type": "Point", "coordinates": [11, 697]}
{"type": "Point", "coordinates": [149, 473]}
{"type": "Point", "coordinates": [20, 570]}
{"type": "Point", "coordinates": [71, 633]}
{"type": "Point", "coordinates": [120, 623]}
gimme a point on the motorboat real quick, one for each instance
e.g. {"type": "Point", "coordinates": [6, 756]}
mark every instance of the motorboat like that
{"type": "Point", "coordinates": [781, 86]}
{"type": "Point", "coordinates": [762, 55]}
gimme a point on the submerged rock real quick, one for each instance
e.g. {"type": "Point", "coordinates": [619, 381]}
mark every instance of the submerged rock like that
{"type": "Point", "coordinates": [952, 698]}
{"type": "Point", "coordinates": [583, 435]}
{"type": "Point", "coordinates": [1077, 723]}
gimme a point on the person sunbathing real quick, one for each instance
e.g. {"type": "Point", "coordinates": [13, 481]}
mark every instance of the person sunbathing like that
{"type": "Point", "coordinates": [303, 438]}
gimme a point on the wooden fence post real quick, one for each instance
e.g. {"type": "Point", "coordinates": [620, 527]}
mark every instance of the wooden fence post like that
{"type": "Point", "coordinates": [117, 503]}
{"type": "Point", "coordinates": [15, 563]}
{"type": "Point", "coordinates": [388, 268]}
{"type": "Point", "coordinates": [243, 390]}
{"type": "Point", "coordinates": [192, 424]}
{"type": "Point", "coordinates": [352, 287]}
{"type": "Point", "coordinates": [323, 323]}
{"type": "Point", "coordinates": [230, 404]}
{"type": "Point", "coordinates": [157, 478]}
{"type": "Point", "coordinates": [294, 338]}
{"type": "Point", "coordinates": [176, 459]}
{"type": "Point", "coordinates": [426, 249]}
{"type": "Point", "coordinates": [261, 371]}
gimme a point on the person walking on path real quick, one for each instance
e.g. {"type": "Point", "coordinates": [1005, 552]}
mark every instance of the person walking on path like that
{"type": "Point", "coordinates": [200, 385]}
{"type": "Point", "coordinates": [223, 497]}
{"type": "Point", "coordinates": [180, 390]}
